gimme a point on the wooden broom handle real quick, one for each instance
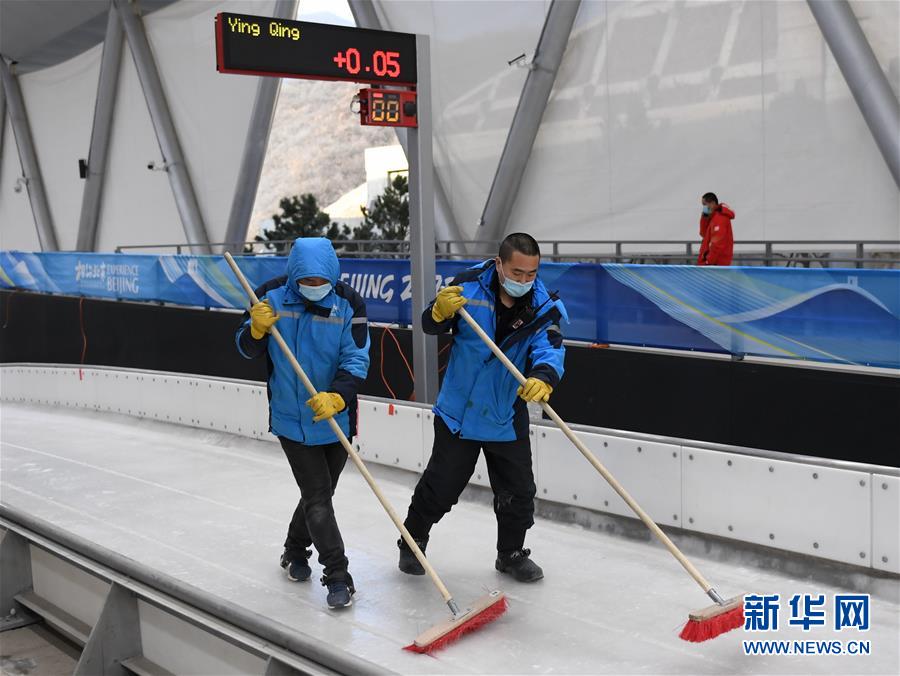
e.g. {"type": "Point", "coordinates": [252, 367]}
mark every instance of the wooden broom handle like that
{"type": "Point", "coordinates": [591, 458]}
{"type": "Point", "coordinates": [360, 465]}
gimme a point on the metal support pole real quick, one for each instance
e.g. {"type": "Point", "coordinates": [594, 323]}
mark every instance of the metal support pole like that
{"type": "Point", "coordinates": [34, 183]}
{"type": "Point", "coordinates": [255, 145]}
{"type": "Point", "coordinates": [863, 75]}
{"type": "Point", "coordinates": [527, 119]}
{"type": "Point", "coordinates": [176, 167]}
{"type": "Point", "coordinates": [100, 133]}
{"type": "Point", "coordinates": [445, 223]}
{"type": "Point", "coordinates": [421, 231]}
{"type": "Point", "coordinates": [114, 638]}
{"type": "Point", "coordinates": [2, 124]}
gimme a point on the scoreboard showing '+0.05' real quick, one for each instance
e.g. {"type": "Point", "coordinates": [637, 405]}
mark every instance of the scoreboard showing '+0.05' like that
{"type": "Point", "coordinates": [255, 45]}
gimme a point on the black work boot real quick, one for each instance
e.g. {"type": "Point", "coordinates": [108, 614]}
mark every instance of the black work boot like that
{"type": "Point", "coordinates": [517, 564]}
{"type": "Point", "coordinates": [409, 564]}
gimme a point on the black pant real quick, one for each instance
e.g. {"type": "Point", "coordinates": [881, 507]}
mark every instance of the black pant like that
{"type": "Point", "coordinates": [316, 470]}
{"type": "Point", "coordinates": [449, 470]}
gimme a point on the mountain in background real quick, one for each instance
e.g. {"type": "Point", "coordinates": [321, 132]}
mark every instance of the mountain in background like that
{"type": "Point", "coordinates": [316, 146]}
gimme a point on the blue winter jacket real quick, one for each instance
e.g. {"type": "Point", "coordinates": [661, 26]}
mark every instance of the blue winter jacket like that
{"type": "Point", "coordinates": [330, 339]}
{"type": "Point", "coordinates": [478, 396]}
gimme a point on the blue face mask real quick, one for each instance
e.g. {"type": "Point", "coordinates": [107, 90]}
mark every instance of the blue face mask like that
{"type": "Point", "coordinates": [314, 293]}
{"type": "Point", "coordinates": [705, 210]}
{"type": "Point", "coordinates": [514, 288]}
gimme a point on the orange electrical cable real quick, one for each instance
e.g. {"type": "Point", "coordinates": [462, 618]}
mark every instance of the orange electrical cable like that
{"type": "Point", "coordinates": [83, 336]}
{"type": "Point", "coordinates": [383, 379]}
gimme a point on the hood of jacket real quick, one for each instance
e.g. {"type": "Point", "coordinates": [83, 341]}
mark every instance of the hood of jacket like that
{"type": "Point", "coordinates": [312, 257]}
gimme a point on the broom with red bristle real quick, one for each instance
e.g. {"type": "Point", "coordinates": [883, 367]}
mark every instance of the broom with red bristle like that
{"type": "Point", "coordinates": [702, 625]}
{"type": "Point", "coordinates": [485, 609]}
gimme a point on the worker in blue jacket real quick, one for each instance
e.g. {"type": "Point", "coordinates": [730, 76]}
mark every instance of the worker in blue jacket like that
{"type": "Point", "coordinates": [323, 321]}
{"type": "Point", "coordinates": [481, 407]}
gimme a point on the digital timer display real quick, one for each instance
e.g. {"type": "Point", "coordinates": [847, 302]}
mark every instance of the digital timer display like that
{"type": "Point", "coordinates": [255, 45]}
{"type": "Point", "coordinates": [387, 108]}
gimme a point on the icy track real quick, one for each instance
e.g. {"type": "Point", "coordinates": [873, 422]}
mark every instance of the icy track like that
{"type": "Point", "coordinates": [211, 510]}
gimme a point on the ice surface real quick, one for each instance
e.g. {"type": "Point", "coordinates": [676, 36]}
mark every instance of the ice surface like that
{"type": "Point", "coordinates": [212, 509]}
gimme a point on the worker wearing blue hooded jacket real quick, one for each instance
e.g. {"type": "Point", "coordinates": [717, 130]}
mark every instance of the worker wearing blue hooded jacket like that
{"type": "Point", "coordinates": [323, 321]}
{"type": "Point", "coordinates": [481, 407]}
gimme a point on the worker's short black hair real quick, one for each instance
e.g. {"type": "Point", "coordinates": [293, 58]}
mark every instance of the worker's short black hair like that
{"type": "Point", "coordinates": [518, 241]}
{"type": "Point", "coordinates": [710, 197]}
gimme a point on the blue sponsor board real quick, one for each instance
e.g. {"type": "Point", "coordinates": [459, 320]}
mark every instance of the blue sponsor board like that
{"type": "Point", "coordinates": [831, 315]}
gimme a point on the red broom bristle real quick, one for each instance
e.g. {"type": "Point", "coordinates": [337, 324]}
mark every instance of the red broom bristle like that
{"type": "Point", "coordinates": [475, 622]}
{"type": "Point", "coordinates": [703, 630]}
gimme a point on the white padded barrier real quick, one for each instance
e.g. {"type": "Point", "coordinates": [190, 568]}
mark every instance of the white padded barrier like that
{"type": "Point", "coordinates": [886, 523]}
{"type": "Point", "coordinates": [801, 508]}
{"type": "Point", "coordinates": [836, 513]}
{"type": "Point", "coordinates": [650, 472]}
{"type": "Point", "coordinates": [390, 434]}
{"type": "Point", "coordinates": [240, 408]}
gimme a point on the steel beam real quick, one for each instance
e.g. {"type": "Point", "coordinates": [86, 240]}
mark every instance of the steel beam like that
{"type": "Point", "coordinates": [114, 638]}
{"type": "Point", "coordinates": [15, 570]}
{"type": "Point", "coordinates": [527, 119]}
{"type": "Point", "coordinates": [166, 135]}
{"type": "Point", "coordinates": [100, 133]}
{"type": "Point", "coordinates": [445, 223]}
{"type": "Point", "coordinates": [421, 229]}
{"type": "Point", "coordinates": [34, 183]}
{"type": "Point", "coordinates": [864, 77]}
{"type": "Point", "coordinates": [255, 145]}
{"type": "Point", "coordinates": [211, 613]}
{"type": "Point", "coordinates": [2, 124]}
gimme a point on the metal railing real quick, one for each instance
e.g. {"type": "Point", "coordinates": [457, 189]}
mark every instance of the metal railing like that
{"type": "Point", "coordinates": [776, 253]}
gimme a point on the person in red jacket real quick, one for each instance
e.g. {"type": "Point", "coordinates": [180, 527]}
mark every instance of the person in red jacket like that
{"type": "Point", "coordinates": [717, 247]}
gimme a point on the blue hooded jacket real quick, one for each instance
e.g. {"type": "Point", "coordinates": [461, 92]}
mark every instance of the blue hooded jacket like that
{"type": "Point", "coordinates": [478, 397]}
{"type": "Point", "coordinates": [330, 339]}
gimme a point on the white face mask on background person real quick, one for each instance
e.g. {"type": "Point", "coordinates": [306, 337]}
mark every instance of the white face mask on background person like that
{"type": "Point", "coordinates": [314, 293]}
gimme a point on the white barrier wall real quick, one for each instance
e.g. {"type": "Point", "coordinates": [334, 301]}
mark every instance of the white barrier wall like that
{"type": "Point", "coordinates": [837, 513]}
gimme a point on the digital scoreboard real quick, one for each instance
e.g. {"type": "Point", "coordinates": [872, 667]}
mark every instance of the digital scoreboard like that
{"type": "Point", "coordinates": [387, 108]}
{"type": "Point", "coordinates": [256, 45]}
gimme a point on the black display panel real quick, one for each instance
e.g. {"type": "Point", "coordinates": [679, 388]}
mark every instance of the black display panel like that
{"type": "Point", "coordinates": [256, 45]}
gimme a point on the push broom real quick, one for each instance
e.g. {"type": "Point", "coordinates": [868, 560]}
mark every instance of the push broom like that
{"type": "Point", "coordinates": [702, 625]}
{"type": "Point", "coordinates": [485, 609]}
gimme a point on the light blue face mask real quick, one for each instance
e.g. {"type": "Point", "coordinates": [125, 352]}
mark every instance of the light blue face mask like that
{"type": "Point", "coordinates": [705, 210]}
{"type": "Point", "coordinates": [314, 293]}
{"type": "Point", "coordinates": [514, 288]}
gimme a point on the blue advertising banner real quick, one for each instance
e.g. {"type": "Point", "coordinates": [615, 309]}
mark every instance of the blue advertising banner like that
{"type": "Point", "coordinates": [830, 315]}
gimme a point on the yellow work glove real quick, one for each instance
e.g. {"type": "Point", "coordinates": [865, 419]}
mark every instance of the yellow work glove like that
{"type": "Point", "coordinates": [262, 317]}
{"type": "Point", "coordinates": [534, 389]}
{"type": "Point", "coordinates": [325, 405]}
{"type": "Point", "coordinates": [447, 303]}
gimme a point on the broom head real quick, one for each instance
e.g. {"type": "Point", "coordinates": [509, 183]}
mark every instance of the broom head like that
{"type": "Point", "coordinates": [486, 609]}
{"type": "Point", "coordinates": [714, 620]}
